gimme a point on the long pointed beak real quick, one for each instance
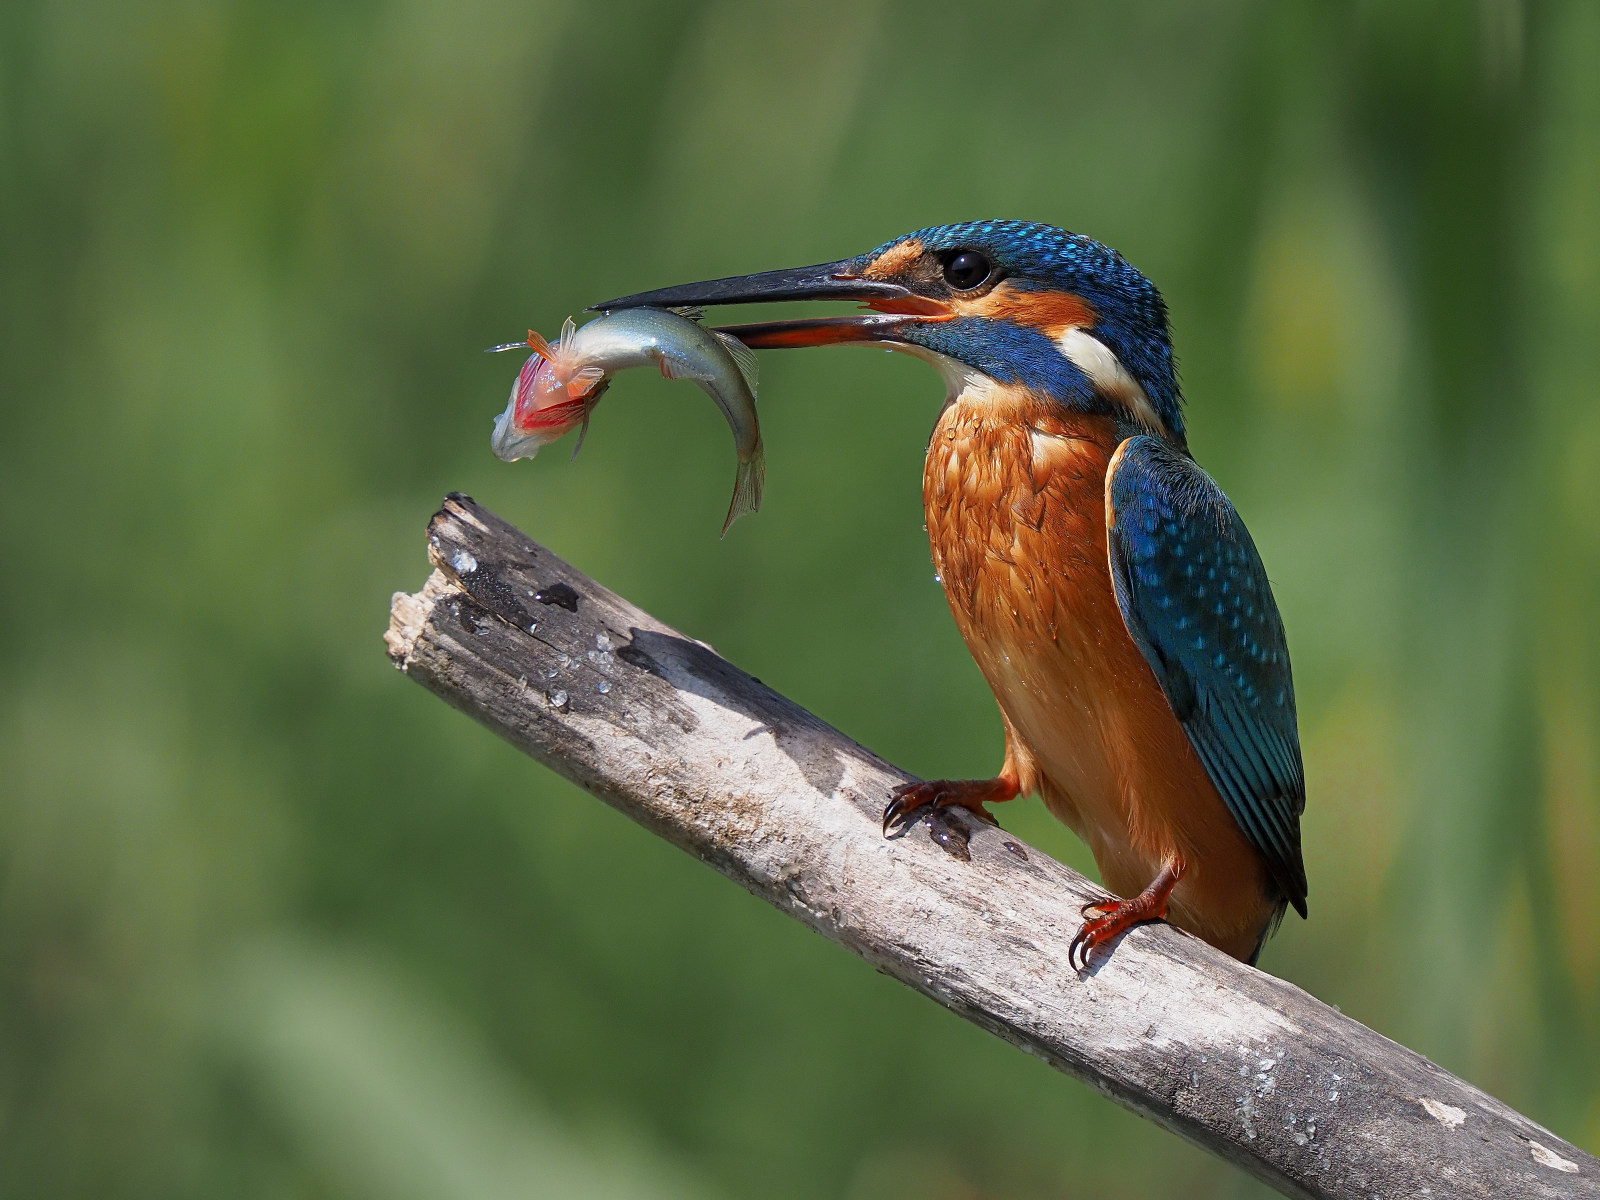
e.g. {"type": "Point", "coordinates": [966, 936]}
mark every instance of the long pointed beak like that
{"type": "Point", "coordinates": [826, 281]}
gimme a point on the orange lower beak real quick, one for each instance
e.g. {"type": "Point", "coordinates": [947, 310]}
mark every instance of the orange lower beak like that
{"type": "Point", "coordinates": [819, 331]}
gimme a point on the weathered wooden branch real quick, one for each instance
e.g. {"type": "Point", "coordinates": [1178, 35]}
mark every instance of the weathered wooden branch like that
{"type": "Point", "coordinates": [659, 726]}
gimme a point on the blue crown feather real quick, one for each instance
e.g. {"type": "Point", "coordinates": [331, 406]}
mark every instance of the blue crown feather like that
{"type": "Point", "coordinates": [1131, 317]}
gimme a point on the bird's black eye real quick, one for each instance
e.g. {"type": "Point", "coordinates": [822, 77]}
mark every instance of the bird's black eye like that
{"type": "Point", "coordinates": [966, 270]}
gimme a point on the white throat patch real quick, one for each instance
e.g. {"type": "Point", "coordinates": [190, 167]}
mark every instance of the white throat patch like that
{"type": "Point", "coordinates": [960, 380]}
{"type": "Point", "coordinates": [1105, 370]}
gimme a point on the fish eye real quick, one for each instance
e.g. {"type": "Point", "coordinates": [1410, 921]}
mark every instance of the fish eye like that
{"type": "Point", "coordinates": [965, 270]}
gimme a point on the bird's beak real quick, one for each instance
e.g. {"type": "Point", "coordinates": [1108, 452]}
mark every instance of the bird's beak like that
{"type": "Point", "coordinates": [894, 304]}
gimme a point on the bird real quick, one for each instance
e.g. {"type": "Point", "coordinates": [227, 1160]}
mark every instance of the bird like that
{"type": "Point", "coordinates": [1107, 589]}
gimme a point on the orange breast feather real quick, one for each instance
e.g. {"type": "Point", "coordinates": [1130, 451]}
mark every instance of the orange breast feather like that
{"type": "Point", "coordinates": [1014, 490]}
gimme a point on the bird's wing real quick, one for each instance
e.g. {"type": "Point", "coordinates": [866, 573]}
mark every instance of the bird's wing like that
{"type": "Point", "coordinates": [1196, 600]}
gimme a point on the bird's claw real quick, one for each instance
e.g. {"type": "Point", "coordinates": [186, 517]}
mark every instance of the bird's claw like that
{"type": "Point", "coordinates": [1115, 918]}
{"type": "Point", "coordinates": [904, 805]}
{"type": "Point", "coordinates": [1088, 938]}
{"type": "Point", "coordinates": [928, 802]}
{"type": "Point", "coordinates": [907, 802]}
{"type": "Point", "coordinates": [1118, 916]}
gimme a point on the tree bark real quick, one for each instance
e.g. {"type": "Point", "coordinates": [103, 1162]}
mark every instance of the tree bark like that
{"type": "Point", "coordinates": [657, 725]}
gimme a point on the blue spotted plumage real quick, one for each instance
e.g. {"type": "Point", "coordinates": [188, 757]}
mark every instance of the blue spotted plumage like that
{"type": "Point", "coordinates": [1195, 596]}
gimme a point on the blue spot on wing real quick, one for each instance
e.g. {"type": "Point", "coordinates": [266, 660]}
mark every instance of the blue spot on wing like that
{"type": "Point", "coordinates": [1221, 658]}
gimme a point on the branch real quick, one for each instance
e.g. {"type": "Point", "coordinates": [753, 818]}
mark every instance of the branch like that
{"type": "Point", "coordinates": [657, 725]}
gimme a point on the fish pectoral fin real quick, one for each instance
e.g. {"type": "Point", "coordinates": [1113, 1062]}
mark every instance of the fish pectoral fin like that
{"type": "Point", "coordinates": [672, 368]}
{"type": "Point", "coordinates": [583, 381]}
{"type": "Point", "coordinates": [744, 357]}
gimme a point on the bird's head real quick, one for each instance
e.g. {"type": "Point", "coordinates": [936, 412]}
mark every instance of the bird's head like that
{"type": "Point", "coordinates": [1019, 302]}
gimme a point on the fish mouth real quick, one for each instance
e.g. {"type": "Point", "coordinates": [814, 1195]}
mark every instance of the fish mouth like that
{"type": "Point", "coordinates": [895, 307]}
{"type": "Point", "coordinates": [510, 443]}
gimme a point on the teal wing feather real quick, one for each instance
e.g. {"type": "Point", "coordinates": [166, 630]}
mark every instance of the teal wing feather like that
{"type": "Point", "coordinates": [1196, 599]}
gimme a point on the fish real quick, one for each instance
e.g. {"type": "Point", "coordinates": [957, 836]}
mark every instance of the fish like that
{"type": "Point", "coordinates": [560, 384]}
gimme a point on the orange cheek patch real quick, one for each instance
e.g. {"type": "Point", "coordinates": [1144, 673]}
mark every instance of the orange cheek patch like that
{"type": "Point", "coordinates": [1050, 312]}
{"type": "Point", "coordinates": [894, 260]}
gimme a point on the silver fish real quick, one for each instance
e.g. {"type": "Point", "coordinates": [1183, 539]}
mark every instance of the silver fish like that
{"type": "Point", "coordinates": [560, 384]}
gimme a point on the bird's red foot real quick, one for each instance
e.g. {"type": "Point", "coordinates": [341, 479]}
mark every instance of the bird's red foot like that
{"type": "Point", "coordinates": [1118, 916]}
{"type": "Point", "coordinates": [933, 801]}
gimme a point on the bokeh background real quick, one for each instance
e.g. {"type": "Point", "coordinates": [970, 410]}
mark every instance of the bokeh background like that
{"type": "Point", "coordinates": [276, 923]}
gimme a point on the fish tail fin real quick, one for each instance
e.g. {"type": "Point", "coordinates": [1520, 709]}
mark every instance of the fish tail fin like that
{"type": "Point", "coordinates": [747, 485]}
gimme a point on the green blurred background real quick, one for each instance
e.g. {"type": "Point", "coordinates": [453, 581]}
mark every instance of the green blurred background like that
{"type": "Point", "coordinates": [276, 923]}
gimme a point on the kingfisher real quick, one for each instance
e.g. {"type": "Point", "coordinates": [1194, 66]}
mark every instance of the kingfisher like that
{"type": "Point", "coordinates": [1106, 587]}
